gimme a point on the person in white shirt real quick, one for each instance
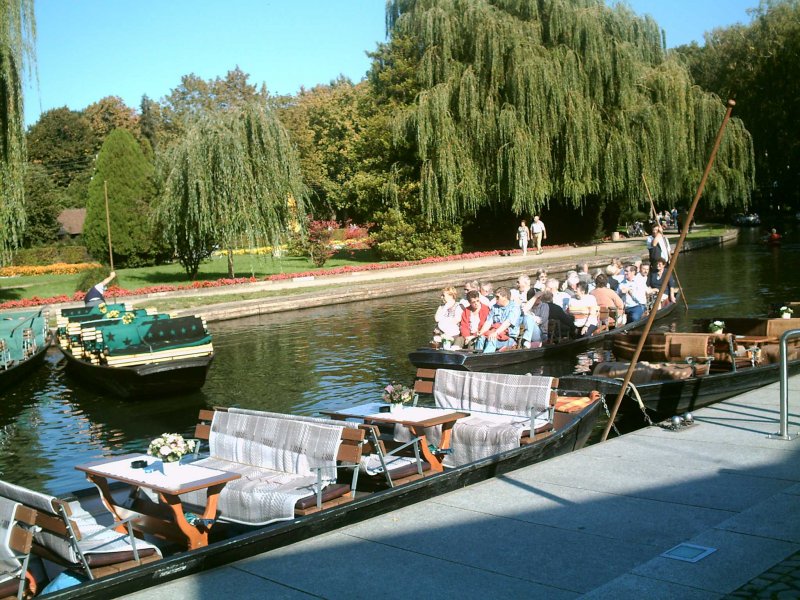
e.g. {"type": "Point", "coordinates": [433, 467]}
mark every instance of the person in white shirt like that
{"type": "Point", "coordinates": [448, 315]}
{"type": "Point", "coordinates": [633, 292]}
{"type": "Point", "coordinates": [584, 309]}
{"type": "Point", "coordinates": [538, 233]}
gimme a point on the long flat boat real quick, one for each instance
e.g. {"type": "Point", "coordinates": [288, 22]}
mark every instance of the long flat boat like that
{"type": "Point", "coordinates": [572, 425]}
{"type": "Point", "coordinates": [472, 360]}
{"type": "Point", "coordinates": [686, 372]}
{"type": "Point", "coordinates": [135, 353]}
{"type": "Point", "coordinates": [24, 341]}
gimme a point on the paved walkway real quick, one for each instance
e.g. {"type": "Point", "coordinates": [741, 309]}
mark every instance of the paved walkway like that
{"type": "Point", "coordinates": [591, 524]}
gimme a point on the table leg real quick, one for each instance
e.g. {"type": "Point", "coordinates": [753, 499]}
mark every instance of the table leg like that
{"type": "Point", "coordinates": [107, 499]}
{"type": "Point", "coordinates": [194, 537]}
{"type": "Point", "coordinates": [430, 457]}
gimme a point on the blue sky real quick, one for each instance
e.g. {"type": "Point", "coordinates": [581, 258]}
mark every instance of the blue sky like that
{"type": "Point", "coordinates": [89, 49]}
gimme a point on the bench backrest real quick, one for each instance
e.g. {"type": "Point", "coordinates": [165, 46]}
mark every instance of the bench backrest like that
{"type": "Point", "coordinates": [517, 395]}
{"type": "Point", "coordinates": [351, 435]}
{"type": "Point", "coordinates": [16, 536]}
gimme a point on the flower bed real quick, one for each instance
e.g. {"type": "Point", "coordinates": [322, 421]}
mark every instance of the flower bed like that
{"type": "Point", "coordinates": [54, 269]}
{"type": "Point", "coordinates": [117, 292]}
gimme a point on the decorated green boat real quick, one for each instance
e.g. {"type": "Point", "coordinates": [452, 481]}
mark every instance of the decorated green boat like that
{"type": "Point", "coordinates": [24, 339]}
{"type": "Point", "coordinates": [135, 352]}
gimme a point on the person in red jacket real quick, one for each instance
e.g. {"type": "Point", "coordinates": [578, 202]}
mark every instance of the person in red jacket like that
{"type": "Point", "coordinates": [472, 319]}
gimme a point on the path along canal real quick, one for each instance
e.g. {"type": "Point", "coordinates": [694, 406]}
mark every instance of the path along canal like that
{"type": "Point", "coordinates": [320, 358]}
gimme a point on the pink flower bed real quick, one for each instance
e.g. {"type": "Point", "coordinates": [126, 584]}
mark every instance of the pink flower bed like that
{"type": "Point", "coordinates": [117, 292]}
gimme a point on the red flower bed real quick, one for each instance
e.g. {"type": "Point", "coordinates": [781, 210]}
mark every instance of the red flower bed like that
{"type": "Point", "coordinates": [117, 292]}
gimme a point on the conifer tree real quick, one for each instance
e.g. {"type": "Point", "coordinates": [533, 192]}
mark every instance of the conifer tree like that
{"type": "Point", "coordinates": [123, 166]}
{"type": "Point", "coordinates": [17, 35]}
{"type": "Point", "coordinates": [524, 103]}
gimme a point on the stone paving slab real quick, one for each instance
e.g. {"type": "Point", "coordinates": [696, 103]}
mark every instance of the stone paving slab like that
{"type": "Point", "coordinates": [635, 587]}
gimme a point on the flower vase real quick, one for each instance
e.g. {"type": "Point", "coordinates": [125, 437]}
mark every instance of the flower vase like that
{"type": "Point", "coordinates": [446, 344]}
{"type": "Point", "coordinates": [395, 407]}
{"type": "Point", "coordinates": [169, 468]}
{"type": "Point", "coordinates": [716, 331]}
{"type": "Point", "coordinates": [786, 316]}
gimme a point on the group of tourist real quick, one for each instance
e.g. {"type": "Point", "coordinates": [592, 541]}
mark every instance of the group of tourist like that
{"type": "Point", "coordinates": [535, 234]}
{"type": "Point", "coordinates": [543, 309]}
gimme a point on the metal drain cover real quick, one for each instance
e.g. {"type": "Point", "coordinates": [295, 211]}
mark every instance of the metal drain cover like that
{"type": "Point", "coordinates": [688, 552]}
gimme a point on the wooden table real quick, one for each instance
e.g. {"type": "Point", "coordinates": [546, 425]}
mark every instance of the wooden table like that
{"type": "Point", "coordinates": [170, 523]}
{"type": "Point", "coordinates": [755, 340]}
{"type": "Point", "coordinates": [416, 418]}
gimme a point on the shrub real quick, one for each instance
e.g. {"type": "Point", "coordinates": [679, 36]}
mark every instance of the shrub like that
{"type": "Point", "coordinates": [398, 239]}
{"type": "Point", "coordinates": [91, 278]}
{"type": "Point", "coordinates": [319, 243]}
{"type": "Point", "coordinates": [48, 255]}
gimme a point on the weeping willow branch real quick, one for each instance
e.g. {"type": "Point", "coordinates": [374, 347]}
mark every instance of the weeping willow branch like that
{"type": "Point", "coordinates": [526, 101]}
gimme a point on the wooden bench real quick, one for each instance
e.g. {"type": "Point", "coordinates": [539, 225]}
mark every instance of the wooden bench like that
{"type": "Point", "coordinates": [17, 523]}
{"type": "Point", "coordinates": [323, 495]}
{"type": "Point", "coordinates": [71, 537]}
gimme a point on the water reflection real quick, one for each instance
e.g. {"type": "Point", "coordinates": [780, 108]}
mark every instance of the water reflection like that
{"type": "Point", "coordinates": [322, 358]}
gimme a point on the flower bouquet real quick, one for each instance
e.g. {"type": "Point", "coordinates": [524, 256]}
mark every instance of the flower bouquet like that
{"type": "Point", "coordinates": [170, 447]}
{"type": "Point", "coordinates": [785, 312]}
{"type": "Point", "coordinates": [397, 394]}
{"type": "Point", "coordinates": [716, 326]}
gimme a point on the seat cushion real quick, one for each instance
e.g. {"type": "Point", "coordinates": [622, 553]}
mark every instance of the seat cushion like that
{"type": "Point", "coordinates": [336, 490]}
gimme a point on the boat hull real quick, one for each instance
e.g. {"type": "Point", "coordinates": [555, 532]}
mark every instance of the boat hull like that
{"type": "Point", "coordinates": [465, 360]}
{"type": "Point", "coordinates": [664, 399]}
{"type": "Point", "coordinates": [572, 435]}
{"type": "Point", "coordinates": [20, 371]}
{"type": "Point", "coordinates": [144, 381]}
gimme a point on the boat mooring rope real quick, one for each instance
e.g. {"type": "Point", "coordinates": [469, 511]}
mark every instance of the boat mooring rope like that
{"type": "Point", "coordinates": [642, 407]}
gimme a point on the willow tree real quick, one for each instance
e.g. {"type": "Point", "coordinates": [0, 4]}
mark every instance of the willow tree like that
{"type": "Point", "coordinates": [525, 103]}
{"type": "Point", "coordinates": [229, 181]}
{"type": "Point", "coordinates": [17, 35]}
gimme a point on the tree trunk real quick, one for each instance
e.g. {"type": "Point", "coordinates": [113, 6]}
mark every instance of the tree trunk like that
{"type": "Point", "coordinates": [231, 274]}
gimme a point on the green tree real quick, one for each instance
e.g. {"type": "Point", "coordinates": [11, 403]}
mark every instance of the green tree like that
{"type": "Point", "coordinates": [759, 65]}
{"type": "Point", "coordinates": [17, 36]}
{"type": "Point", "coordinates": [62, 141]}
{"type": "Point", "coordinates": [131, 188]}
{"type": "Point", "coordinates": [527, 103]}
{"type": "Point", "coordinates": [42, 205]}
{"type": "Point", "coordinates": [108, 114]}
{"type": "Point", "coordinates": [229, 181]}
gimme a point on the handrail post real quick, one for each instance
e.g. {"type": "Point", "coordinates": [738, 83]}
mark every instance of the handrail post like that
{"type": "Point", "coordinates": [784, 434]}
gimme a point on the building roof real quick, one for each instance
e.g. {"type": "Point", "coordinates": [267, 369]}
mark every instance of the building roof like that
{"type": "Point", "coordinates": [71, 220]}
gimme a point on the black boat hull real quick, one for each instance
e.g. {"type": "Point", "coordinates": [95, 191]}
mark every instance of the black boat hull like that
{"type": "Point", "coordinates": [571, 436]}
{"type": "Point", "coordinates": [12, 376]}
{"type": "Point", "coordinates": [664, 399]}
{"type": "Point", "coordinates": [464, 360]}
{"type": "Point", "coordinates": [144, 381]}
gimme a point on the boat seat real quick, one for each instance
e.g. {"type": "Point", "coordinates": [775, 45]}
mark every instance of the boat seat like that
{"type": "Point", "coordinates": [70, 536]}
{"type": "Point", "coordinates": [289, 465]}
{"type": "Point", "coordinates": [17, 525]}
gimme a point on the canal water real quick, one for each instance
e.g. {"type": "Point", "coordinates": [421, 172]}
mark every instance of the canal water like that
{"type": "Point", "coordinates": [321, 358]}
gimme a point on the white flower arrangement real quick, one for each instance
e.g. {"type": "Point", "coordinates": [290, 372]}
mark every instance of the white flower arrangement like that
{"type": "Point", "coordinates": [170, 447]}
{"type": "Point", "coordinates": [785, 310]}
{"type": "Point", "coordinates": [396, 393]}
{"type": "Point", "coordinates": [716, 326]}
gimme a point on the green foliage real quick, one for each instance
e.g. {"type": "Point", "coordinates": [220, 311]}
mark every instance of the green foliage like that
{"type": "Point", "coordinates": [400, 239]}
{"type": "Point", "coordinates": [17, 36]}
{"type": "Point", "coordinates": [759, 65]}
{"type": "Point", "coordinates": [129, 175]}
{"type": "Point", "coordinates": [42, 205]}
{"type": "Point", "coordinates": [319, 243]}
{"type": "Point", "coordinates": [63, 142]}
{"type": "Point", "coordinates": [233, 180]}
{"type": "Point", "coordinates": [48, 255]}
{"type": "Point", "coordinates": [524, 102]}
{"type": "Point", "coordinates": [90, 278]}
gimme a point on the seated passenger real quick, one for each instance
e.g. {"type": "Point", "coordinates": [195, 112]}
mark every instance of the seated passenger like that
{"type": "Point", "coordinates": [531, 321]}
{"type": "Point", "coordinates": [584, 309]}
{"type": "Point", "coordinates": [607, 298]}
{"type": "Point", "coordinates": [539, 309]}
{"type": "Point", "coordinates": [472, 319]}
{"type": "Point", "coordinates": [633, 292]}
{"type": "Point", "coordinates": [502, 325]}
{"type": "Point", "coordinates": [468, 287]}
{"type": "Point", "coordinates": [541, 280]}
{"type": "Point", "coordinates": [570, 283]}
{"type": "Point", "coordinates": [556, 313]}
{"type": "Point", "coordinates": [520, 293]}
{"type": "Point", "coordinates": [655, 280]}
{"type": "Point", "coordinates": [448, 315]}
{"type": "Point", "coordinates": [487, 293]}
{"type": "Point", "coordinates": [558, 297]}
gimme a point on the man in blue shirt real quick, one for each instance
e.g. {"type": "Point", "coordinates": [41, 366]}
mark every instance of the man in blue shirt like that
{"type": "Point", "coordinates": [502, 325]}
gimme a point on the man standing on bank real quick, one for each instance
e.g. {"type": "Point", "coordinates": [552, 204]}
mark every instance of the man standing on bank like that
{"type": "Point", "coordinates": [539, 233]}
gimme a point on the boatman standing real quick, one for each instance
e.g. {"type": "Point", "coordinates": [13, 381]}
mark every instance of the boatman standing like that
{"type": "Point", "coordinates": [95, 295]}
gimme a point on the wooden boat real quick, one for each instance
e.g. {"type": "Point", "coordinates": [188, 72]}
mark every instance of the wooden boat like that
{"type": "Point", "coordinates": [135, 353]}
{"type": "Point", "coordinates": [24, 340]}
{"type": "Point", "coordinates": [682, 372]}
{"type": "Point", "coordinates": [230, 543]}
{"type": "Point", "coordinates": [472, 360]}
